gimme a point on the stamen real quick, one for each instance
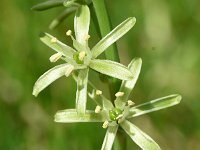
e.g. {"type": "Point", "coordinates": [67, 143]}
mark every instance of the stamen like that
{"type": "Point", "coordinates": [69, 71]}
{"type": "Point", "coordinates": [87, 37]}
{"type": "Point", "coordinates": [119, 94]}
{"type": "Point", "coordinates": [69, 33]}
{"type": "Point", "coordinates": [105, 124]}
{"type": "Point", "coordinates": [82, 55]}
{"type": "Point", "coordinates": [97, 109]}
{"type": "Point", "coordinates": [53, 40]}
{"type": "Point", "coordinates": [98, 92]}
{"type": "Point", "coordinates": [55, 57]}
{"type": "Point", "coordinates": [130, 103]}
{"type": "Point", "coordinates": [119, 116]}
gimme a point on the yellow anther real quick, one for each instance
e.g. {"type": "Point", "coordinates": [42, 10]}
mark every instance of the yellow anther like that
{"type": "Point", "coordinates": [81, 55]}
{"type": "Point", "coordinates": [98, 92]}
{"type": "Point", "coordinates": [130, 103]}
{"type": "Point", "coordinates": [69, 70]}
{"type": "Point", "coordinates": [55, 57]}
{"type": "Point", "coordinates": [53, 40]}
{"type": "Point", "coordinates": [97, 109]}
{"type": "Point", "coordinates": [105, 124]}
{"type": "Point", "coordinates": [87, 37]}
{"type": "Point", "coordinates": [69, 32]}
{"type": "Point", "coordinates": [119, 94]}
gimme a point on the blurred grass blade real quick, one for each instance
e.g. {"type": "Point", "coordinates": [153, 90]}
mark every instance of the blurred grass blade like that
{"type": "Point", "coordinates": [71, 116]}
{"type": "Point", "coordinates": [81, 24]}
{"type": "Point", "coordinates": [57, 46]}
{"type": "Point", "coordinates": [113, 36]}
{"type": "Point", "coordinates": [109, 138]}
{"type": "Point", "coordinates": [47, 5]}
{"type": "Point", "coordinates": [127, 86]}
{"type": "Point", "coordinates": [111, 68]}
{"type": "Point", "coordinates": [50, 76]}
{"type": "Point", "coordinates": [155, 105]}
{"type": "Point", "coordinates": [139, 137]}
{"type": "Point", "coordinates": [61, 17]}
{"type": "Point", "coordinates": [81, 92]}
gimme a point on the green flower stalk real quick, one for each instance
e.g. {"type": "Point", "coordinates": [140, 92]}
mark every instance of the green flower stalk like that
{"type": "Point", "coordinates": [121, 112]}
{"type": "Point", "coordinates": [81, 58]}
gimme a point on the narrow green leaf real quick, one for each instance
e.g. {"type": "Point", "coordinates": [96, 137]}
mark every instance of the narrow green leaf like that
{"type": "Point", "coordinates": [50, 76]}
{"type": "Point", "coordinates": [155, 105]}
{"type": "Point", "coordinates": [113, 36]}
{"type": "Point", "coordinates": [71, 116]}
{"type": "Point", "coordinates": [81, 93]}
{"type": "Point", "coordinates": [47, 5]}
{"type": "Point", "coordinates": [127, 86]}
{"type": "Point", "coordinates": [57, 46]}
{"type": "Point", "coordinates": [111, 68]}
{"type": "Point", "coordinates": [109, 138]}
{"type": "Point", "coordinates": [81, 24]}
{"type": "Point", "coordinates": [64, 14]}
{"type": "Point", "coordinates": [139, 137]}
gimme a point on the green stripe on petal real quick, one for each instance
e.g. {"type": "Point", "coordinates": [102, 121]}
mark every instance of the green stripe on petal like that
{"type": "Point", "coordinates": [109, 138]}
{"type": "Point", "coordinates": [81, 93]}
{"type": "Point", "coordinates": [50, 76]}
{"type": "Point", "coordinates": [81, 24]}
{"type": "Point", "coordinates": [127, 86]}
{"type": "Point", "coordinates": [71, 116]}
{"type": "Point", "coordinates": [111, 68]}
{"type": "Point", "coordinates": [139, 137]}
{"type": "Point", "coordinates": [113, 36]}
{"type": "Point", "coordinates": [155, 105]}
{"type": "Point", "coordinates": [56, 45]}
{"type": "Point", "coordinates": [47, 5]}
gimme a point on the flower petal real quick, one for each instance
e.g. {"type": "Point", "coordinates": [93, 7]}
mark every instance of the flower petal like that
{"type": "Point", "coordinates": [155, 105]}
{"type": "Point", "coordinates": [57, 46]}
{"type": "Point", "coordinates": [109, 138]}
{"type": "Point", "coordinates": [50, 76]}
{"type": "Point", "coordinates": [111, 68]}
{"type": "Point", "coordinates": [127, 86]}
{"type": "Point", "coordinates": [71, 116]}
{"type": "Point", "coordinates": [56, 21]}
{"type": "Point", "coordinates": [139, 137]}
{"type": "Point", "coordinates": [81, 24]}
{"type": "Point", "coordinates": [113, 36]}
{"type": "Point", "coordinates": [81, 92]}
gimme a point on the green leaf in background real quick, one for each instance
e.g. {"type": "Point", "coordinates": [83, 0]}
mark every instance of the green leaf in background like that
{"type": "Point", "coordinates": [109, 138]}
{"type": "Point", "coordinates": [71, 116]}
{"type": "Point", "coordinates": [111, 68]}
{"type": "Point", "coordinates": [81, 24]}
{"type": "Point", "coordinates": [55, 22]}
{"type": "Point", "coordinates": [57, 45]}
{"type": "Point", "coordinates": [155, 105]}
{"type": "Point", "coordinates": [113, 36]}
{"type": "Point", "coordinates": [50, 76]}
{"type": "Point", "coordinates": [47, 5]}
{"type": "Point", "coordinates": [139, 137]}
{"type": "Point", "coordinates": [81, 92]}
{"type": "Point", "coordinates": [127, 86]}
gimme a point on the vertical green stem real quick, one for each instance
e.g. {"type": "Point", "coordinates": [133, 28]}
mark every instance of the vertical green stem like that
{"type": "Point", "coordinates": [105, 27]}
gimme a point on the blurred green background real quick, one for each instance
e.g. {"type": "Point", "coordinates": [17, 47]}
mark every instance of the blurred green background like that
{"type": "Point", "coordinates": [167, 38]}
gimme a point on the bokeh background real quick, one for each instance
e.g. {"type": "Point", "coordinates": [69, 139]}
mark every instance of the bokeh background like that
{"type": "Point", "coordinates": [167, 38]}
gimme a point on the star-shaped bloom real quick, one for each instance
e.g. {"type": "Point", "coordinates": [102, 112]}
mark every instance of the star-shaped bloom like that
{"type": "Point", "coordinates": [121, 112]}
{"type": "Point", "coordinates": [82, 58]}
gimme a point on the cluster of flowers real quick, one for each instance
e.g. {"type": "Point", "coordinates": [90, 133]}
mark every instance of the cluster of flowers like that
{"type": "Point", "coordinates": [79, 60]}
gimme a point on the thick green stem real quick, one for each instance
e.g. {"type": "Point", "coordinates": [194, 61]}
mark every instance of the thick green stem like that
{"type": "Point", "coordinates": [105, 27]}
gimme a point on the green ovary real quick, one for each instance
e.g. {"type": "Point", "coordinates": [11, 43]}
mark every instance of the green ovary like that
{"type": "Point", "coordinates": [114, 113]}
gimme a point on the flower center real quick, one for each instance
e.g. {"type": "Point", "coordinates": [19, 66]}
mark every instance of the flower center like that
{"type": "Point", "coordinates": [115, 114]}
{"type": "Point", "coordinates": [79, 57]}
